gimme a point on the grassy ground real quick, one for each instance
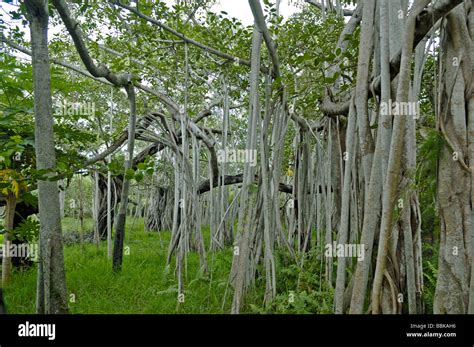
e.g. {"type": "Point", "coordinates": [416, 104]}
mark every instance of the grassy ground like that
{"type": "Point", "coordinates": [145, 285]}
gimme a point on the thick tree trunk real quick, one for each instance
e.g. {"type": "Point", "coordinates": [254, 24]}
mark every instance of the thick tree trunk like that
{"type": "Point", "coordinates": [52, 293]}
{"type": "Point", "coordinates": [454, 181]}
{"type": "Point", "coordinates": [396, 151]}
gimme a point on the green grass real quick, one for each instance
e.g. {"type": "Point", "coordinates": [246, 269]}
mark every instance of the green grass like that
{"type": "Point", "coordinates": [144, 285]}
{"type": "Point", "coordinates": [73, 224]}
{"type": "Point", "coordinates": [147, 286]}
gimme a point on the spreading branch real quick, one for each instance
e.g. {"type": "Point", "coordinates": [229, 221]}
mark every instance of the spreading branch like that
{"type": "Point", "coordinates": [185, 38]}
{"type": "Point", "coordinates": [425, 21]}
{"type": "Point", "coordinates": [318, 5]}
{"type": "Point", "coordinates": [74, 29]}
{"type": "Point", "coordinates": [262, 27]}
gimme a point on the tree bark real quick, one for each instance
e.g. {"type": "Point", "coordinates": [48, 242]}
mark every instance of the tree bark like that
{"type": "Point", "coordinates": [9, 224]}
{"type": "Point", "coordinates": [52, 293]}
{"type": "Point", "coordinates": [455, 118]}
{"type": "Point", "coordinates": [396, 151]}
{"type": "Point", "coordinates": [122, 213]}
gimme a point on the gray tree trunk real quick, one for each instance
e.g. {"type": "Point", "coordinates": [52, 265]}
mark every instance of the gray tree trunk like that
{"type": "Point", "coordinates": [454, 286]}
{"type": "Point", "coordinates": [122, 213]}
{"type": "Point", "coordinates": [51, 291]}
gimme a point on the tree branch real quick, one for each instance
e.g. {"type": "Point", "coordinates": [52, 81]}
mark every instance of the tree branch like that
{"type": "Point", "coordinates": [205, 185]}
{"type": "Point", "coordinates": [424, 23]}
{"type": "Point", "coordinates": [189, 40]}
{"type": "Point", "coordinates": [262, 27]}
{"type": "Point", "coordinates": [75, 31]}
{"type": "Point", "coordinates": [319, 6]}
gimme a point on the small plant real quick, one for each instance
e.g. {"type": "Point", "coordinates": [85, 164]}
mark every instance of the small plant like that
{"type": "Point", "coordinates": [300, 289]}
{"type": "Point", "coordinates": [27, 231]}
{"type": "Point", "coordinates": [430, 274]}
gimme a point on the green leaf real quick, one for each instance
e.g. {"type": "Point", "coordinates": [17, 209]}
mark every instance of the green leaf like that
{"type": "Point", "coordinates": [139, 176]}
{"type": "Point", "coordinates": [129, 174]}
{"type": "Point", "coordinates": [62, 166]}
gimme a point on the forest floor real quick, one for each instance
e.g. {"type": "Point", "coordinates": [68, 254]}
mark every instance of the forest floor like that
{"type": "Point", "coordinates": [145, 284]}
